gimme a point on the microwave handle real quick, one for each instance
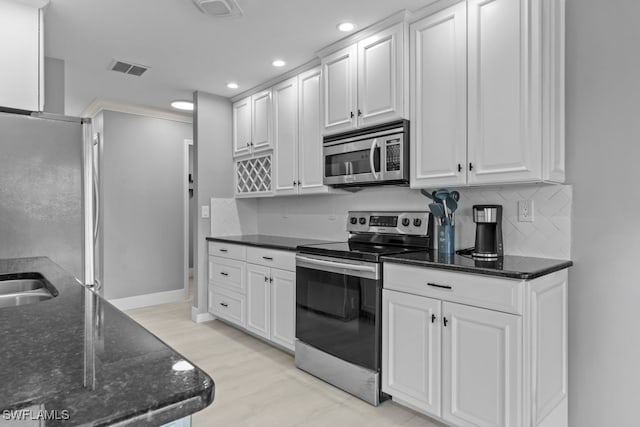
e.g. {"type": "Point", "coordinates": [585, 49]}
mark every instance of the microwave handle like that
{"type": "Point", "coordinates": [374, 144]}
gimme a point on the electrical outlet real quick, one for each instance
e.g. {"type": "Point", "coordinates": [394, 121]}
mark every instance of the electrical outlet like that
{"type": "Point", "coordinates": [525, 210]}
{"type": "Point", "coordinates": [204, 211]}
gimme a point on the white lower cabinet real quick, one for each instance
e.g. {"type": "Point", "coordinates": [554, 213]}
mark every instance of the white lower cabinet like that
{"type": "Point", "coordinates": [254, 288]}
{"type": "Point", "coordinates": [271, 304]}
{"type": "Point", "coordinates": [472, 365]}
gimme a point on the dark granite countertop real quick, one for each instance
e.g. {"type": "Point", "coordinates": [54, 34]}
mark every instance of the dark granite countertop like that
{"type": "Point", "coordinates": [271, 242]}
{"type": "Point", "coordinates": [78, 355]}
{"type": "Point", "coordinates": [513, 267]}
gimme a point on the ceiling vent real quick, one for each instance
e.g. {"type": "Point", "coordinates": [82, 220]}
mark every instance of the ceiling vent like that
{"type": "Point", "coordinates": [219, 8]}
{"type": "Point", "coordinates": [127, 68]}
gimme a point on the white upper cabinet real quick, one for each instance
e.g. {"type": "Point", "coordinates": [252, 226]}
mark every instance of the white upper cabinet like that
{"type": "Point", "coordinates": [285, 136]}
{"type": "Point", "coordinates": [504, 83]}
{"type": "Point", "coordinates": [364, 84]}
{"type": "Point", "coordinates": [252, 124]}
{"type": "Point", "coordinates": [242, 127]}
{"type": "Point", "coordinates": [261, 121]}
{"type": "Point", "coordinates": [380, 76]}
{"type": "Point", "coordinates": [310, 168]}
{"type": "Point", "coordinates": [439, 101]}
{"type": "Point", "coordinates": [340, 86]}
{"type": "Point", "coordinates": [487, 84]}
{"type": "Point", "coordinates": [297, 139]}
{"type": "Point", "coordinates": [22, 56]}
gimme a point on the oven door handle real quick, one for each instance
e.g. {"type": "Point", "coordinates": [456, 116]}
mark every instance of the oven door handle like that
{"type": "Point", "coordinates": [374, 144]}
{"type": "Point", "coordinates": [358, 269]}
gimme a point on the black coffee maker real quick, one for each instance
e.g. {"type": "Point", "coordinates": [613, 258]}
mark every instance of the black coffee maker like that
{"type": "Point", "coordinates": [488, 219]}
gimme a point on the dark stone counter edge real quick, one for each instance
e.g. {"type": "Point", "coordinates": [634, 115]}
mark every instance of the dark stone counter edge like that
{"type": "Point", "coordinates": [484, 271]}
{"type": "Point", "coordinates": [283, 247]}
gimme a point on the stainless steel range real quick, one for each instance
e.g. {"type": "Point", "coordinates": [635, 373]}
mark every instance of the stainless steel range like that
{"type": "Point", "coordinates": [339, 299]}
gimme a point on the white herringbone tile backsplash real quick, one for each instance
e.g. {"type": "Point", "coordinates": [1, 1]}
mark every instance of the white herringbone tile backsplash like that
{"type": "Point", "coordinates": [324, 217]}
{"type": "Point", "coordinates": [549, 235]}
{"type": "Point", "coordinates": [233, 217]}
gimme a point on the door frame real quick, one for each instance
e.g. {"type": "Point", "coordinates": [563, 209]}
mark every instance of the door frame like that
{"type": "Point", "coordinates": [185, 182]}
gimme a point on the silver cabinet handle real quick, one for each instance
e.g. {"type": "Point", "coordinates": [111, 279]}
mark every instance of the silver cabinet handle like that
{"type": "Point", "coordinates": [223, 250]}
{"type": "Point", "coordinates": [224, 304]}
{"type": "Point", "coordinates": [268, 258]}
{"type": "Point", "coordinates": [374, 144]}
{"type": "Point", "coordinates": [223, 273]}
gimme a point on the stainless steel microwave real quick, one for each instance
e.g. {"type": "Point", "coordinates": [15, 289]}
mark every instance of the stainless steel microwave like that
{"type": "Point", "coordinates": [376, 155]}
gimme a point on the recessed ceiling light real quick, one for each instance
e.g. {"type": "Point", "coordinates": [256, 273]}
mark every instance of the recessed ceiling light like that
{"type": "Point", "coordinates": [278, 63]}
{"type": "Point", "coordinates": [346, 26]}
{"type": "Point", "coordinates": [232, 85]}
{"type": "Point", "coordinates": [182, 105]}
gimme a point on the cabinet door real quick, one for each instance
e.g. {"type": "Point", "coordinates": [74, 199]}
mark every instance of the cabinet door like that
{"type": "Point", "coordinates": [439, 98]}
{"type": "Point", "coordinates": [504, 101]}
{"type": "Point", "coordinates": [310, 167]}
{"type": "Point", "coordinates": [22, 60]}
{"type": "Point", "coordinates": [339, 90]}
{"type": "Point", "coordinates": [411, 349]}
{"type": "Point", "coordinates": [258, 300]}
{"type": "Point", "coordinates": [242, 127]}
{"type": "Point", "coordinates": [381, 76]}
{"type": "Point", "coordinates": [481, 367]}
{"type": "Point", "coordinates": [285, 136]}
{"type": "Point", "coordinates": [261, 121]}
{"type": "Point", "coordinates": [283, 308]}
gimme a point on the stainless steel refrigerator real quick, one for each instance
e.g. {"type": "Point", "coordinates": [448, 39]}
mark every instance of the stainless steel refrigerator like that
{"type": "Point", "coordinates": [47, 193]}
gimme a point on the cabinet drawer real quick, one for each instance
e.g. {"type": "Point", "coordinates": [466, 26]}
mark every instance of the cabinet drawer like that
{"type": "Point", "coordinates": [284, 260]}
{"type": "Point", "coordinates": [471, 289]}
{"type": "Point", "coordinates": [227, 305]}
{"type": "Point", "coordinates": [228, 273]}
{"type": "Point", "coordinates": [227, 250]}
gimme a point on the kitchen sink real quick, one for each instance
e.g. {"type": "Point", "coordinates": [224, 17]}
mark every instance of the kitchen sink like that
{"type": "Point", "coordinates": [24, 288]}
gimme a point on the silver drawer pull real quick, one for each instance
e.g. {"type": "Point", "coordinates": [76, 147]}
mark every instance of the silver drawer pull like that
{"type": "Point", "coordinates": [268, 258]}
{"type": "Point", "coordinates": [224, 304]}
{"type": "Point", "coordinates": [435, 285]}
{"type": "Point", "coordinates": [223, 250]}
{"type": "Point", "coordinates": [224, 273]}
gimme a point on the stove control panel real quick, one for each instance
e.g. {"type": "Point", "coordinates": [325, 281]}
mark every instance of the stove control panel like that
{"type": "Point", "coordinates": [411, 223]}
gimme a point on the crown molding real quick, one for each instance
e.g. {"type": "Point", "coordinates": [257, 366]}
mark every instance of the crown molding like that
{"type": "Point", "coordinates": [400, 16]}
{"type": "Point", "coordinates": [99, 105]}
{"type": "Point", "coordinates": [278, 79]}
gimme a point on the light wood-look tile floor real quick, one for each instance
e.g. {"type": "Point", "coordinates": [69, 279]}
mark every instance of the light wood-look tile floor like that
{"type": "Point", "coordinates": [257, 384]}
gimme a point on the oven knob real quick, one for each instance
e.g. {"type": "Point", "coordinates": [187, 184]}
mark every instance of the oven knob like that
{"type": "Point", "coordinates": [417, 222]}
{"type": "Point", "coordinates": [354, 220]}
{"type": "Point", "coordinates": [406, 222]}
{"type": "Point", "coordinates": [363, 220]}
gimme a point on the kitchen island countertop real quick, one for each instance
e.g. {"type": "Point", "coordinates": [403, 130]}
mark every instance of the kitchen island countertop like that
{"type": "Point", "coordinates": [82, 361]}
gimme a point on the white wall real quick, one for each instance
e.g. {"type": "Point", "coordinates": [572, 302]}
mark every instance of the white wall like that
{"type": "Point", "coordinates": [142, 204]}
{"type": "Point", "coordinates": [325, 217]}
{"type": "Point", "coordinates": [603, 136]}
{"type": "Point", "coordinates": [213, 171]}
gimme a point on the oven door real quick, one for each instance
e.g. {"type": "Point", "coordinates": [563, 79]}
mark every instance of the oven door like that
{"type": "Point", "coordinates": [338, 306]}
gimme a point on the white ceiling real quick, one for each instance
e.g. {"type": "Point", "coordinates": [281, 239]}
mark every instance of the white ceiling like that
{"type": "Point", "coordinates": [188, 50]}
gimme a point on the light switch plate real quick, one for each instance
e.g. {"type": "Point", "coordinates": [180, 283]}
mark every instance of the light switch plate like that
{"type": "Point", "coordinates": [525, 210]}
{"type": "Point", "coordinates": [204, 211]}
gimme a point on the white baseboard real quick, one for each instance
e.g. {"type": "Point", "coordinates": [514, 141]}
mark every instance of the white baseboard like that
{"type": "Point", "coordinates": [200, 317]}
{"type": "Point", "coordinates": [149, 299]}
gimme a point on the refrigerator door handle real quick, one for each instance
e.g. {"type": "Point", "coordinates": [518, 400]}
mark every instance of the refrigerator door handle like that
{"type": "Point", "coordinates": [96, 193]}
